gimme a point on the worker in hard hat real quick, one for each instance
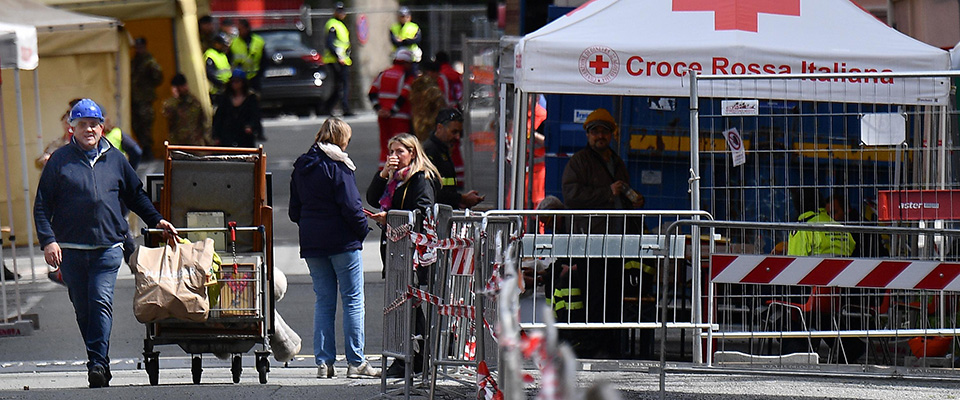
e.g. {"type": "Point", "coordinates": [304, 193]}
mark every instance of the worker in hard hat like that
{"type": "Point", "coordinates": [81, 228]}
{"type": "Point", "coordinates": [596, 178]}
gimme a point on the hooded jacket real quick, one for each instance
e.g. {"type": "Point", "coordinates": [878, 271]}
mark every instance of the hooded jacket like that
{"type": "Point", "coordinates": [325, 203]}
{"type": "Point", "coordinates": [79, 202]}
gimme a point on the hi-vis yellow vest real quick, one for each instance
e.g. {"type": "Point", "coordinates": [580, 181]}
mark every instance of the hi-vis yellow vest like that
{"type": "Point", "coordinates": [223, 67]}
{"type": "Point", "coordinates": [115, 137]}
{"type": "Point", "coordinates": [248, 58]}
{"type": "Point", "coordinates": [341, 42]}
{"type": "Point", "coordinates": [407, 31]}
{"type": "Point", "coordinates": [819, 243]}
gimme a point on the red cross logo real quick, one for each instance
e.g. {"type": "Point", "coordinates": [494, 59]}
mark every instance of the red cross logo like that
{"type": "Point", "coordinates": [739, 15]}
{"type": "Point", "coordinates": [598, 64]}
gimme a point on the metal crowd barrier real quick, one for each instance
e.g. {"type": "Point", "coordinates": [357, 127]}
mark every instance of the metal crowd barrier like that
{"type": "Point", "coordinates": [605, 270]}
{"type": "Point", "coordinates": [398, 323]}
{"type": "Point", "coordinates": [892, 310]}
{"type": "Point", "coordinates": [459, 343]}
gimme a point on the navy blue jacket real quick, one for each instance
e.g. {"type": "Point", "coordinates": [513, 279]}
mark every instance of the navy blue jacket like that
{"type": "Point", "coordinates": [81, 204]}
{"type": "Point", "coordinates": [325, 203]}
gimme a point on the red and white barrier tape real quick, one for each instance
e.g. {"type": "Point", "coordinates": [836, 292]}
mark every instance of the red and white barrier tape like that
{"type": "Point", "coordinates": [487, 386]}
{"type": "Point", "coordinates": [456, 310]}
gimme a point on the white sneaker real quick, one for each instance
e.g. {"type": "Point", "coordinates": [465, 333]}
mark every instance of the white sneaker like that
{"type": "Point", "coordinates": [325, 371]}
{"type": "Point", "coordinates": [363, 370]}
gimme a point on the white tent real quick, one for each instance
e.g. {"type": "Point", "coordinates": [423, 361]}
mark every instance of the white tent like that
{"type": "Point", "coordinates": [630, 47]}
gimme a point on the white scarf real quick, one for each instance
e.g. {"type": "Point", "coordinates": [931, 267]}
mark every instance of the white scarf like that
{"type": "Point", "coordinates": [337, 154]}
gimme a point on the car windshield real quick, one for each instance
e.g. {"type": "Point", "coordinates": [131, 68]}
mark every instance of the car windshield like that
{"type": "Point", "coordinates": [284, 41]}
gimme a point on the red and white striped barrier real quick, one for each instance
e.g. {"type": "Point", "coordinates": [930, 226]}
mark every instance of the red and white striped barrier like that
{"type": "Point", "coordinates": [836, 272]}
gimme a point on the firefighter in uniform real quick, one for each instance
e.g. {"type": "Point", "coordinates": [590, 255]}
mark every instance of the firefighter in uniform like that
{"type": "Point", "coordinates": [145, 76]}
{"type": "Point", "coordinates": [825, 244]}
{"type": "Point", "coordinates": [247, 53]}
{"type": "Point", "coordinates": [453, 77]}
{"type": "Point", "coordinates": [218, 66]}
{"type": "Point", "coordinates": [389, 94]}
{"type": "Point", "coordinates": [336, 54]}
{"type": "Point", "coordinates": [438, 149]}
{"type": "Point", "coordinates": [405, 34]}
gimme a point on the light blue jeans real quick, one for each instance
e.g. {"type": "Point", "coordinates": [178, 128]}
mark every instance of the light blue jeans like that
{"type": "Point", "coordinates": [90, 276]}
{"type": "Point", "coordinates": [345, 270]}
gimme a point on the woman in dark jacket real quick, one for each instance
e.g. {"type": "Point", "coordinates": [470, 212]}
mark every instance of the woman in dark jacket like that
{"type": "Point", "coordinates": [408, 181]}
{"type": "Point", "coordinates": [325, 203]}
{"type": "Point", "coordinates": [236, 123]}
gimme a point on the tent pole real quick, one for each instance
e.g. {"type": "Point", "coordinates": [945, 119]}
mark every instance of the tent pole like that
{"type": "Point", "coordinates": [13, 233]}
{"type": "Point", "coordinates": [502, 147]}
{"type": "Point", "coordinates": [695, 241]}
{"type": "Point", "coordinates": [28, 211]}
{"type": "Point", "coordinates": [118, 111]}
{"type": "Point", "coordinates": [13, 245]}
{"type": "Point", "coordinates": [519, 151]}
{"type": "Point", "coordinates": [517, 109]}
{"type": "Point", "coordinates": [36, 107]}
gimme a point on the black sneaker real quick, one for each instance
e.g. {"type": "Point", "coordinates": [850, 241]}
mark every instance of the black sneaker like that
{"type": "Point", "coordinates": [108, 375]}
{"type": "Point", "coordinates": [8, 274]}
{"type": "Point", "coordinates": [97, 377]}
{"type": "Point", "coordinates": [395, 370]}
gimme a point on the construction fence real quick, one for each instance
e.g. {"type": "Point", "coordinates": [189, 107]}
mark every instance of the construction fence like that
{"type": "Point", "coordinates": [642, 282]}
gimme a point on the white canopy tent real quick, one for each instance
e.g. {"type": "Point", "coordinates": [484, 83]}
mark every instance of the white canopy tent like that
{"type": "Point", "coordinates": [646, 48]}
{"type": "Point", "coordinates": [624, 47]}
{"type": "Point", "coordinates": [18, 50]}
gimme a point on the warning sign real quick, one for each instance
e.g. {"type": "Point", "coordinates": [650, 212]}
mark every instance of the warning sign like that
{"type": "Point", "coordinates": [735, 144]}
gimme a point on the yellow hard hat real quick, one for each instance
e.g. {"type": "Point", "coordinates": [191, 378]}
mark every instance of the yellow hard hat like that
{"type": "Point", "coordinates": [600, 116]}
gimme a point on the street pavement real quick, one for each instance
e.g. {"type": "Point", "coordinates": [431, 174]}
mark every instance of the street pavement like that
{"type": "Point", "coordinates": [49, 364]}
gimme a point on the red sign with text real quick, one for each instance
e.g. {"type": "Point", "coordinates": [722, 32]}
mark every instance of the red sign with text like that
{"type": "Point", "coordinates": [918, 205]}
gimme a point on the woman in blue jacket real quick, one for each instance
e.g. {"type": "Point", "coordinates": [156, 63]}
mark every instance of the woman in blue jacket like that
{"type": "Point", "coordinates": [325, 203]}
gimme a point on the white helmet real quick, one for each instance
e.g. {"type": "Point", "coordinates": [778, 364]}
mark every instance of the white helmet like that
{"type": "Point", "coordinates": [403, 55]}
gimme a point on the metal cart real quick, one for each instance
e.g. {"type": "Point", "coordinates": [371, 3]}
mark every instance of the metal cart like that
{"type": "Point", "coordinates": [204, 194]}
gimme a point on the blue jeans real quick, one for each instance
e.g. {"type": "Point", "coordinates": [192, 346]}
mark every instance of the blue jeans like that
{"type": "Point", "coordinates": [343, 269]}
{"type": "Point", "coordinates": [90, 276]}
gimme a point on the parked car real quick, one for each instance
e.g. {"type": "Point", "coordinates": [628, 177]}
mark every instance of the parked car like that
{"type": "Point", "coordinates": [294, 77]}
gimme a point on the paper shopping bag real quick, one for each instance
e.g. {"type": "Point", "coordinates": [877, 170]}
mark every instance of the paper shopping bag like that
{"type": "Point", "coordinates": [170, 281]}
